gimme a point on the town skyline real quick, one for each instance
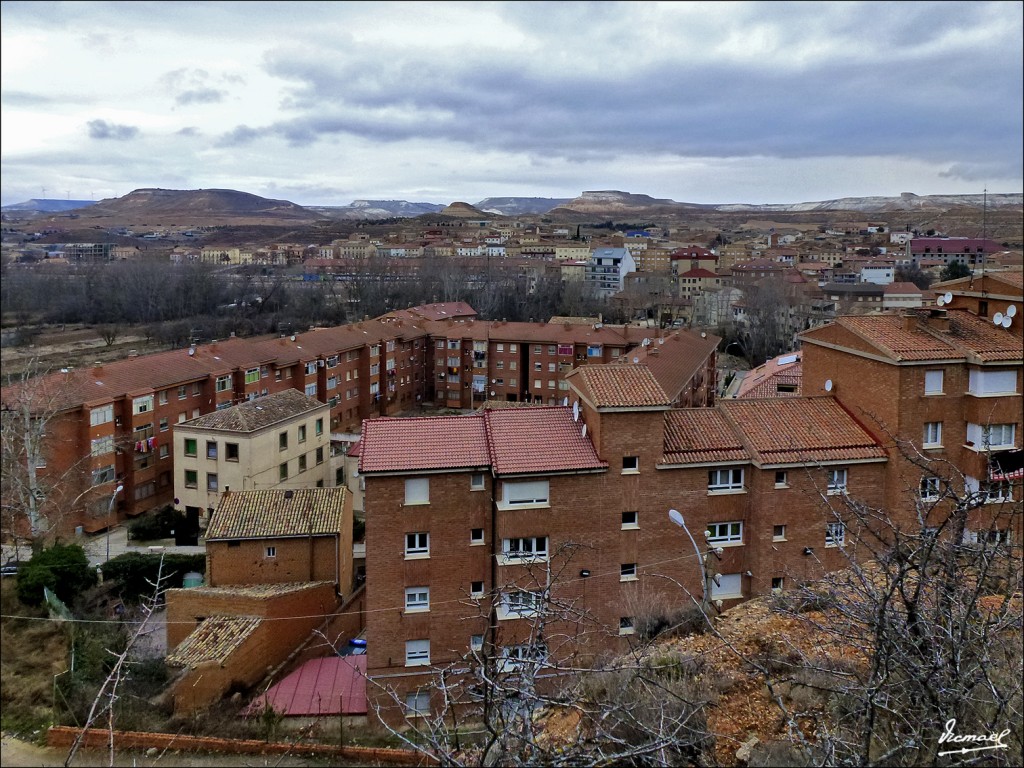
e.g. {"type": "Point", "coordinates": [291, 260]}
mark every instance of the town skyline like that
{"type": "Point", "coordinates": [328, 103]}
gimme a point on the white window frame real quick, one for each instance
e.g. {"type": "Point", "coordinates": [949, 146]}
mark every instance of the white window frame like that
{"type": "Point", "coordinates": [724, 480]}
{"type": "Point", "coordinates": [270, 552]}
{"type": "Point", "coordinates": [417, 599]}
{"type": "Point", "coordinates": [932, 437]}
{"type": "Point", "coordinates": [630, 465]}
{"type": "Point", "coordinates": [417, 491]}
{"type": "Point", "coordinates": [513, 657]}
{"type": "Point", "coordinates": [420, 548]}
{"type": "Point", "coordinates": [252, 375]}
{"type": "Point", "coordinates": [517, 495]}
{"type": "Point", "coordinates": [101, 415]}
{"type": "Point", "coordinates": [837, 481]}
{"type": "Point", "coordinates": [728, 534]}
{"type": "Point", "coordinates": [223, 383]}
{"type": "Point", "coordinates": [628, 572]}
{"type": "Point", "coordinates": [520, 604]}
{"type": "Point", "coordinates": [477, 481]}
{"type": "Point", "coordinates": [930, 488]}
{"type": "Point", "coordinates": [524, 549]}
{"type": "Point", "coordinates": [998, 491]}
{"type": "Point", "coordinates": [417, 653]}
{"type": "Point", "coordinates": [101, 446]}
{"type": "Point", "coordinates": [476, 642]}
{"type": "Point", "coordinates": [142, 404]}
{"type": "Point", "coordinates": [473, 591]}
{"type": "Point", "coordinates": [731, 587]}
{"type": "Point", "coordinates": [983, 382]}
{"type": "Point", "coordinates": [779, 532]}
{"type": "Point", "coordinates": [627, 626]}
{"type": "Point", "coordinates": [933, 382]}
{"type": "Point", "coordinates": [630, 526]}
{"type": "Point", "coordinates": [835, 535]}
{"type": "Point", "coordinates": [999, 436]}
{"type": "Point", "coordinates": [781, 478]}
{"type": "Point", "coordinates": [475, 540]}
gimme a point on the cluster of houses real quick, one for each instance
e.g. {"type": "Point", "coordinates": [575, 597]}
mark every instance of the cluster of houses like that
{"type": "Point", "coordinates": [547, 482]}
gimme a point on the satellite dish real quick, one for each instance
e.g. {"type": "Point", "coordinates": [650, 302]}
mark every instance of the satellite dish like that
{"type": "Point", "coordinates": [948, 297]}
{"type": "Point", "coordinates": [940, 301]}
{"type": "Point", "coordinates": [997, 318]}
{"type": "Point", "coordinates": [636, 360]}
{"type": "Point", "coordinates": [191, 351]}
{"type": "Point", "coordinates": [1011, 311]}
{"type": "Point", "coordinates": [584, 430]}
{"type": "Point", "coordinates": [1007, 321]}
{"type": "Point", "coordinates": [576, 411]}
{"type": "Point", "coordinates": [565, 400]}
{"type": "Point", "coordinates": [828, 385]}
{"type": "Point", "coordinates": [293, 337]}
{"type": "Point", "coordinates": [645, 343]}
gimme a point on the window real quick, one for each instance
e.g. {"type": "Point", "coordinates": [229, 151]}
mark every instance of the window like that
{"type": "Point", "coordinates": [525, 549]}
{"type": "Point", "coordinates": [999, 435]}
{"type": "Point", "coordinates": [417, 599]}
{"type": "Point", "coordinates": [781, 478]}
{"type": "Point", "coordinates": [417, 545]}
{"type": "Point", "coordinates": [211, 449]}
{"type": "Point", "coordinates": [311, 390]}
{"type": "Point", "coordinates": [593, 351]}
{"type": "Point", "coordinates": [998, 491]}
{"type": "Point", "coordinates": [191, 478]}
{"type": "Point", "coordinates": [223, 383]}
{"type": "Point", "coordinates": [165, 451]}
{"type": "Point", "coordinates": [476, 588]}
{"type": "Point", "coordinates": [836, 481]}
{"type": "Point", "coordinates": [725, 480]}
{"type": "Point", "coordinates": [182, 392]}
{"type": "Point", "coordinates": [270, 552]}
{"type": "Point", "coordinates": [536, 349]}
{"type": "Point", "coordinates": [252, 375]}
{"type": "Point", "coordinates": [476, 536]}
{"type": "Point", "coordinates": [182, 417]}
{"type": "Point", "coordinates": [730, 587]}
{"type": "Point", "coordinates": [525, 494]}
{"type": "Point", "coordinates": [513, 348]}
{"type": "Point", "coordinates": [835, 535]}
{"type": "Point", "coordinates": [320, 455]}
{"type": "Point", "coordinates": [231, 451]}
{"type": "Point", "coordinates": [931, 488]}
{"type": "Point", "coordinates": [417, 491]}
{"type": "Point", "coordinates": [196, 389]}
{"type": "Point", "coordinates": [417, 653]}
{"type": "Point", "coordinates": [164, 426]}
{"type": "Point", "coordinates": [778, 584]}
{"type": "Point", "coordinates": [519, 604]}
{"type": "Point", "coordinates": [417, 704]}
{"type": "Point", "coordinates": [102, 415]}
{"type": "Point", "coordinates": [476, 643]}
{"type": "Point", "coordinates": [163, 397]}
{"type": "Point", "coordinates": [191, 446]}
{"type": "Point", "coordinates": [282, 471]}
{"type": "Point", "coordinates": [318, 427]}
{"type": "Point", "coordinates": [102, 445]}
{"type": "Point", "coordinates": [933, 382]}
{"type": "Point", "coordinates": [142, 404]}
{"type": "Point", "coordinates": [778, 533]}
{"type": "Point", "coordinates": [513, 657]}
{"type": "Point", "coordinates": [630, 520]}
{"type": "Point", "coordinates": [725, 533]}
{"type": "Point", "coordinates": [992, 382]}
{"type": "Point", "coordinates": [626, 626]}
{"type": "Point", "coordinates": [332, 361]}
{"type": "Point", "coordinates": [627, 572]}
{"type": "Point", "coordinates": [302, 463]}
{"type": "Point", "coordinates": [932, 435]}
{"type": "Point", "coordinates": [630, 464]}
{"type": "Point", "coordinates": [476, 481]}
{"type": "Point", "coordinates": [302, 433]}
{"type": "Point", "coordinates": [282, 441]}
{"type": "Point", "coordinates": [211, 481]}
{"type": "Point", "coordinates": [311, 367]}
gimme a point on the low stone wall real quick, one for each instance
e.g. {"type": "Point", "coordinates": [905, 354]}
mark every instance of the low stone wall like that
{"type": "Point", "coordinates": [62, 737]}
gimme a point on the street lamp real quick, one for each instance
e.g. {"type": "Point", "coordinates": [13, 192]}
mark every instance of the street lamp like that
{"type": "Point", "coordinates": [708, 578]}
{"type": "Point", "coordinates": [110, 511]}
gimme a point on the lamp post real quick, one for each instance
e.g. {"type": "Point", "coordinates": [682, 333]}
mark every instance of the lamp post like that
{"type": "Point", "coordinates": [708, 577]}
{"type": "Point", "coordinates": [110, 511]}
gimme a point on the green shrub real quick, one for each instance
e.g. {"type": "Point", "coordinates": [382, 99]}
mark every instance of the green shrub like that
{"type": "Point", "coordinates": [63, 568]}
{"type": "Point", "coordinates": [136, 573]}
{"type": "Point", "coordinates": [158, 525]}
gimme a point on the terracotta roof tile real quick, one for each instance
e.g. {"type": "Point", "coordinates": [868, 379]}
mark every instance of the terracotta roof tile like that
{"type": "Point", "coordinates": [539, 439]}
{"type": "Point", "coordinates": [797, 430]}
{"type": "Point", "coordinates": [701, 435]}
{"type": "Point", "coordinates": [254, 415]}
{"type": "Point", "coordinates": [213, 640]}
{"type": "Point", "coordinates": [276, 513]}
{"type": "Point", "coordinates": [676, 359]}
{"type": "Point", "coordinates": [619, 386]}
{"type": "Point", "coordinates": [440, 442]}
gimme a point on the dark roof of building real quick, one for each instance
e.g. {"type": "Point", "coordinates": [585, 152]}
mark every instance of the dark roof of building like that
{"type": "Point", "coordinates": [277, 513]}
{"type": "Point", "coordinates": [254, 415]}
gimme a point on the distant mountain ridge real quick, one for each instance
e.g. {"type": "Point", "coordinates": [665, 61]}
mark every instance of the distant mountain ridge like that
{"type": "Point", "coordinates": [48, 205]}
{"type": "Point", "coordinates": [376, 209]}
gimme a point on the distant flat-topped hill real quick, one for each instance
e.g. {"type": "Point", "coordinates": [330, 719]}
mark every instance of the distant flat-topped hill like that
{"type": "Point", "coordinates": [199, 207]}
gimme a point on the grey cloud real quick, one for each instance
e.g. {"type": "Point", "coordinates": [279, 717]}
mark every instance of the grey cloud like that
{"type": "Point", "coordinates": [101, 129]}
{"type": "Point", "coordinates": [201, 96]}
{"type": "Point", "coordinates": [190, 130]}
{"type": "Point", "coordinates": [240, 136]}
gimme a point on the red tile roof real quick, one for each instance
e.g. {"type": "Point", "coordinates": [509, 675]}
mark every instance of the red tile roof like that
{"type": "Point", "coordinates": [800, 430]}
{"type": "Point", "coordinates": [676, 359]}
{"type": "Point", "coordinates": [701, 435]}
{"type": "Point", "coordinates": [507, 440]}
{"type": "Point", "coordinates": [619, 385]}
{"type": "Point", "coordinates": [213, 640]}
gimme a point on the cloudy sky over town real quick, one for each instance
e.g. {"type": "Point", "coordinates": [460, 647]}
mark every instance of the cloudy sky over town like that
{"type": "Point", "coordinates": [323, 103]}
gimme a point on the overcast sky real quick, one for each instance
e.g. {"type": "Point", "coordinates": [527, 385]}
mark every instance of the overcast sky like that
{"type": "Point", "coordinates": [323, 103]}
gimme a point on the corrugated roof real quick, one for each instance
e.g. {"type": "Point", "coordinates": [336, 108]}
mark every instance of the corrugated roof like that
{"type": "Point", "coordinates": [275, 513]}
{"type": "Point", "coordinates": [797, 430]}
{"type": "Point", "coordinates": [257, 414]}
{"type": "Point", "coordinates": [329, 686]}
{"type": "Point", "coordinates": [701, 435]}
{"type": "Point", "coordinates": [619, 385]}
{"type": "Point", "coordinates": [213, 640]}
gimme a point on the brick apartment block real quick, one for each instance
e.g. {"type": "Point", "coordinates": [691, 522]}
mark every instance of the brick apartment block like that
{"type": "Point", "coordinates": [115, 422]}
{"type": "Point", "coordinates": [472, 519]}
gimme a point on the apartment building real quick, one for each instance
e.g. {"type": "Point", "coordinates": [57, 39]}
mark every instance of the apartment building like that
{"type": "Point", "coordinates": [279, 441]}
{"type": "Point", "coordinates": [111, 425]}
{"type": "Point", "coordinates": [482, 528]}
